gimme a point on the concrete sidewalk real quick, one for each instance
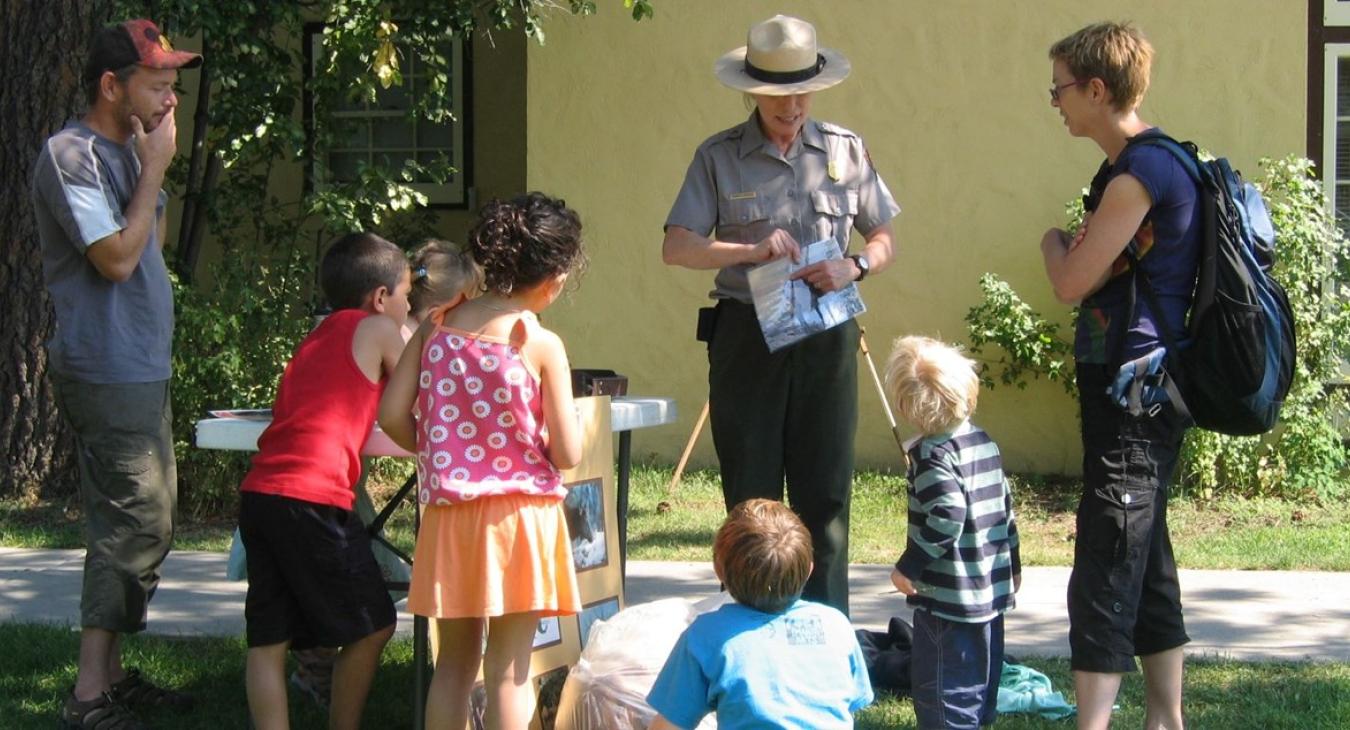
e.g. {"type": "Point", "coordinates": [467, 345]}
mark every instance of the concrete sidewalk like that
{"type": "Point", "coordinates": [1248, 615]}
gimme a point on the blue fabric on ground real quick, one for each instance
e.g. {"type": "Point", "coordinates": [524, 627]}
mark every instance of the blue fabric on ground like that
{"type": "Point", "coordinates": [1023, 689]}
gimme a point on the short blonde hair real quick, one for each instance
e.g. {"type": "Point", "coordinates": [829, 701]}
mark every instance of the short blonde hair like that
{"type": "Point", "coordinates": [762, 553]}
{"type": "Point", "coordinates": [1116, 53]}
{"type": "Point", "coordinates": [932, 385]}
{"type": "Point", "coordinates": [440, 272]}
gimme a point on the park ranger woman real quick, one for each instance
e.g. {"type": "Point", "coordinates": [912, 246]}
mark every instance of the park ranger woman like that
{"type": "Point", "coordinates": [760, 191]}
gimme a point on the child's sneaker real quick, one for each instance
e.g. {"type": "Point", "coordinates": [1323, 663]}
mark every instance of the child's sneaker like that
{"type": "Point", "coordinates": [101, 713]}
{"type": "Point", "coordinates": [314, 673]}
{"type": "Point", "coordinates": [310, 689]}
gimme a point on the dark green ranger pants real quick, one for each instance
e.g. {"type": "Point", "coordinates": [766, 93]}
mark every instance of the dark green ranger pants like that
{"type": "Point", "coordinates": [789, 416]}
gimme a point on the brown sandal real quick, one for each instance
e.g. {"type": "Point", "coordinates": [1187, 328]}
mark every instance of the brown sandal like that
{"type": "Point", "coordinates": [138, 692]}
{"type": "Point", "coordinates": [101, 713]}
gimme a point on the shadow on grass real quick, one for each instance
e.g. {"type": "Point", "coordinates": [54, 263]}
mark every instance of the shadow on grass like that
{"type": "Point", "coordinates": [40, 669]}
{"type": "Point", "coordinates": [679, 537]}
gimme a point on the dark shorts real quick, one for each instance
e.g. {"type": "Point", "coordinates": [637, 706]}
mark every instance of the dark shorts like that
{"type": "Point", "coordinates": [1124, 596]}
{"type": "Point", "coordinates": [129, 492]}
{"type": "Point", "coordinates": [312, 578]}
{"type": "Point", "coordinates": [955, 672]}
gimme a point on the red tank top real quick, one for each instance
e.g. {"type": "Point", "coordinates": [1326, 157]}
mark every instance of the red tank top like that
{"type": "Point", "coordinates": [323, 415]}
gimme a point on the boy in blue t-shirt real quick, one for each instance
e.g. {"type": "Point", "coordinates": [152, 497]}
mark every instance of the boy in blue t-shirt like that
{"type": "Point", "coordinates": [960, 567]}
{"type": "Point", "coordinates": [769, 660]}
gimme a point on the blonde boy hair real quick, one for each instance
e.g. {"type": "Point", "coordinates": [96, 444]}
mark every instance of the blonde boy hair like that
{"type": "Point", "coordinates": [932, 385]}
{"type": "Point", "coordinates": [762, 553]}
{"type": "Point", "coordinates": [440, 272]}
{"type": "Point", "coordinates": [1116, 53]}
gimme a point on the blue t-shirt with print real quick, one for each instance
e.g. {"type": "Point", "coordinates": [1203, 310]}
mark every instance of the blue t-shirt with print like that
{"type": "Point", "coordinates": [106, 331]}
{"type": "Point", "coordinates": [1168, 248]}
{"type": "Point", "coordinates": [801, 668]}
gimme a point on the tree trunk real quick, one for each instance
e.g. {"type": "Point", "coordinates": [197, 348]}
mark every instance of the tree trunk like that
{"type": "Point", "coordinates": [44, 42]}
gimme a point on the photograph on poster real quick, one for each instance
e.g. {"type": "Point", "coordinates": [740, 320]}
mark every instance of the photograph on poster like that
{"type": "Point", "coordinates": [598, 611]}
{"type": "Point", "coordinates": [548, 688]}
{"type": "Point", "coordinates": [548, 633]}
{"type": "Point", "coordinates": [585, 508]}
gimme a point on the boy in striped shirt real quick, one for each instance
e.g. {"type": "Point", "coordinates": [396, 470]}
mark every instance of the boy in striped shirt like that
{"type": "Point", "coordinates": [960, 567]}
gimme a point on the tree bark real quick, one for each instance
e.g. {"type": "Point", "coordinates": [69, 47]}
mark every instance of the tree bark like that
{"type": "Point", "coordinates": [44, 42]}
{"type": "Point", "coordinates": [194, 209]}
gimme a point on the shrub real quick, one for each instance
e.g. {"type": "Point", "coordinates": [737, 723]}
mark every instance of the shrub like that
{"type": "Point", "coordinates": [1305, 456]}
{"type": "Point", "coordinates": [231, 342]}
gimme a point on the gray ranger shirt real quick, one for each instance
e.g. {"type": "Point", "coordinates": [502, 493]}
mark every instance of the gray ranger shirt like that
{"type": "Point", "coordinates": [741, 187]}
{"type": "Point", "coordinates": [106, 332]}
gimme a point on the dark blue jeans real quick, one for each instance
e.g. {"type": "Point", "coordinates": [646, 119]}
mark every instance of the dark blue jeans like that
{"type": "Point", "coordinates": [955, 672]}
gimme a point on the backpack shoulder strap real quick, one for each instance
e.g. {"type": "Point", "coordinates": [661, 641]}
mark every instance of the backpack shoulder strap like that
{"type": "Point", "coordinates": [1184, 152]}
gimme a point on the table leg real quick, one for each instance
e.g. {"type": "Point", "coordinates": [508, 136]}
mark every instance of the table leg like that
{"type": "Point", "coordinates": [625, 469]}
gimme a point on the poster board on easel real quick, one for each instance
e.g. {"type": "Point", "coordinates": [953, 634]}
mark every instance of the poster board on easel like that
{"type": "Point", "coordinates": [593, 526]}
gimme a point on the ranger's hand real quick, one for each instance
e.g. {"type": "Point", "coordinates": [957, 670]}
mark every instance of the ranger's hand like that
{"type": "Point", "coordinates": [776, 245]}
{"type": "Point", "coordinates": [828, 276]}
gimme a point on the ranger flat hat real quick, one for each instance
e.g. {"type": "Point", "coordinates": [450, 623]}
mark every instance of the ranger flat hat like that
{"type": "Point", "coordinates": [781, 57]}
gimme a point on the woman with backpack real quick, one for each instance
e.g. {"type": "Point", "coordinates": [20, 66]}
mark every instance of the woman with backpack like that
{"type": "Point", "coordinates": [1142, 210]}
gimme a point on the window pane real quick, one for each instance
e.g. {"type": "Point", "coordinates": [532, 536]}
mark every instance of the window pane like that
{"type": "Point", "coordinates": [392, 161]}
{"type": "Point", "coordinates": [1343, 86]}
{"type": "Point", "coordinates": [394, 98]}
{"type": "Point", "coordinates": [1343, 204]}
{"type": "Point", "coordinates": [435, 135]}
{"type": "Point", "coordinates": [343, 166]}
{"type": "Point", "coordinates": [392, 132]}
{"type": "Point", "coordinates": [353, 134]}
{"type": "Point", "coordinates": [1343, 150]}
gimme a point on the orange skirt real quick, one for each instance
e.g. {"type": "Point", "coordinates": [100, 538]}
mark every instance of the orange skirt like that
{"type": "Point", "coordinates": [492, 557]}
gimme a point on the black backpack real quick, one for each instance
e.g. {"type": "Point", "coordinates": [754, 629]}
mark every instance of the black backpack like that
{"type": "Point", "coordinates": [1232, 372]}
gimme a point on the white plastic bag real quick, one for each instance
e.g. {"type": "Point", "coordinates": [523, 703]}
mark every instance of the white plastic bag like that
{"type": "Point", "coordinates": [607, 689]}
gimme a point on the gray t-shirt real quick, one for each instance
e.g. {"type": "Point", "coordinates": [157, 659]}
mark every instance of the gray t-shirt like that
{"type": "Point", "coordinates": [106, 332]}
{"type": "Point", "coordinates": [741, 187]}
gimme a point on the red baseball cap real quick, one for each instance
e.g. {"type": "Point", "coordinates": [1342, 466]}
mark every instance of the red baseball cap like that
{"type": "Point", "coordinates": [135, 41]}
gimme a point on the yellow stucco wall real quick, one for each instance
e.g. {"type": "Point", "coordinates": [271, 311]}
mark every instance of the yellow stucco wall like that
{"type": "Point", "coordinates": [951, 99]}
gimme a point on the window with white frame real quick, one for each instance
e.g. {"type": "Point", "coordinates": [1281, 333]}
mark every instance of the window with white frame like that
{"type": "Point", "coordinates": [383, 134]}
{"type": "Point", "coordinates": [1336, 12]}
{"type": "Point", "coordinates": [1336, 130]}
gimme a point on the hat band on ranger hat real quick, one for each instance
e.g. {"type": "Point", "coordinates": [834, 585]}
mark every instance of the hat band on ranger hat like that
{"type": "Point", "coordinates": [785, 77]}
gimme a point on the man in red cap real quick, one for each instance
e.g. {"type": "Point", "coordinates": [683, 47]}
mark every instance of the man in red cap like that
{"type": "Point", "coordinates": [100, 216]}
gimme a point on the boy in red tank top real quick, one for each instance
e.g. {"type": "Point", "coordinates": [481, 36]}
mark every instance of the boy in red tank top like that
{"type": "Point", "coordinates": [313, 580]}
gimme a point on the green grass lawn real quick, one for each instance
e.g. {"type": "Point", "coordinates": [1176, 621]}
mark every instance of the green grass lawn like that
{"type": "Point", "coordinates": [39, 671]}
{"type": "Point", "coordinates": [1220, 534]}
{"type": "Point", "coordinates": [1224, 533]}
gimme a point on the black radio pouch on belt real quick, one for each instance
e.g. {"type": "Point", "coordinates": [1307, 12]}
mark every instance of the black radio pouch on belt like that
{"type": "Point", "coordinates": [707, 323]}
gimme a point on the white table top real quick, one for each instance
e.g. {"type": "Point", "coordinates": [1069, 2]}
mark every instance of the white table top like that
{"type": "Point", "coordinates": [626, 413]}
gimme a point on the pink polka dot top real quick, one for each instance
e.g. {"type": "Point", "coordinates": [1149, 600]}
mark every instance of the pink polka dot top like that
{"type": "Point", "coordinates": [480, 421]}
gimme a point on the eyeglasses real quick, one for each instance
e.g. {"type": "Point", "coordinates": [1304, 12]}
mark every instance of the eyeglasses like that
{"type": "Point", "coordinates": [1054, 90]}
